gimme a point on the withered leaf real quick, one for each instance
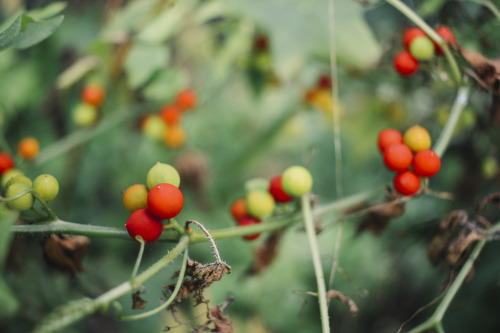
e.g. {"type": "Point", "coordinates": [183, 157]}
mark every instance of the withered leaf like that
{"type": "Point", "coordinates": [137, 302]}
{"type": "Point", "coordinates": [66, 252]}
{"type": "Point", "coordinates": [266, 253]}
{"type": "Point", "coordinates": [220, 320]}
{"type": "Point", "coordinates": [378, 217]}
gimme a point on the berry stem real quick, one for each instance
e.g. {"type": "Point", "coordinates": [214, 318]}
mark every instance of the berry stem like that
{"type": "Point", "coordinates": [318, 269]}
{"type": "Point", "coordinates": [139, 258]}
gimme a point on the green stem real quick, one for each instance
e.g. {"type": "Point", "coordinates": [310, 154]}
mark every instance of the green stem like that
{"type": "Point", "coordinates": [318, 268]}
{"type": "Point", "coordinates": [412, 16]}
{"type": "Point", "coordinates": [45, 205]}
{"type": "Point", "coordinates": [172, 297]}
{"type": "Point", "coordinates": [456, 110]}
{"type": "Point", "coordinates": [139, 258]}
{"type": "Point", "coordinates": [490, 5]}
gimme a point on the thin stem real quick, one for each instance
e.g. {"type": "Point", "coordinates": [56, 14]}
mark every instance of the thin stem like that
{"type": "Point", "coordinates": [45, 205]}
{"type": "Point", "coordinates": [172, 297]}
{"type": "Point", "coordinates": [139, 258]}
{"type": "Point", "coordinates": [456, 110]}
{"type": "Point", "coordinates": [490, 5]}
{"type": "Point", "coordinates": [412, 16]}
{"type": "Point", "coordinates": [209, 237]}
{"type": "Point", "coordinates": [318, 269]}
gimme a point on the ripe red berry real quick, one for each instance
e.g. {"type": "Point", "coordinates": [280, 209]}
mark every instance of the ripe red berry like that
{"type": "Point", "coordinates": [276, 190]}
{"type": "Point", "coordinates": [324, 82]}
{"type": "Point", "coordinates": [398, 157]}
{"type": "Point", "coordinates": [170, 114]}
{"type": "Point", "coordinates": [143, 223]}
{"type": "Point", "coordinates": [249, 221]}
{"type": "Point", "coordinates": [6, 162]}
{"type": "Point", "coordinates": [93, 94]}
{"type": "Point", "coordinates": [165, 201]}
{"type": "Point", "coordinates": [388, 137]}
{"type": "Point", "coordinates": [405, 64]}
{"type": "Point", "coordinates": [186, 99]}
{"type": "Point", "coordinates": [239, 209]}
{"type": "Point", "coordinates": [407, 182]}
{"type": "Point", "coordinates": [410, 34]}
{"type": "Point", "coordinates": [447, 36]}
{"type": "Point", "coordinates": [261, 43]}
{"type": "Point", "coordinates": [426, 163]}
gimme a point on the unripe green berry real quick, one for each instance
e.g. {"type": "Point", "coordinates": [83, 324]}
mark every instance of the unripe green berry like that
{"type": "Point", "coordinates": [19, 179]}
{"type": "Point", "coordinates": [296, 181]}
{"type": "Point", "coordinates": [85, 115]}
{"type": "Point", "coordinates": [260, 203]}
{"type": "Point", "coordinates": [162, 173]}
{"type": "Point", "coordinates": [422, 48]}
{"type": "Point", "coordinates": [7, 175]}
{"type": "Point", "coordinates": [25, 202]}
{"type": "Point", "coordinates": [154, 127]}
{"type": "Point", "coordinates": [47, 186]}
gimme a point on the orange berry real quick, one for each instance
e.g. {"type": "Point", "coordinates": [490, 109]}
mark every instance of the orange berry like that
{"type": "Point", "coordinates": [170, 114]}
{"type": "Point", "coordinates": [93, 94]}
{"type": "Point", "coordinates": [186, 99]}
{"type": "Point", "coordinates": [388, 137]}
{"type": "Point", "coordinates": [174, 137]}
{"type": "Point", "coordinates": [398, 157]}
{"type": "Point", "coordinates": [135, 197]}
{"type": "Point", "coordinates": [239, 209]}
{"type": "Point", "coordinates": [28, 148]}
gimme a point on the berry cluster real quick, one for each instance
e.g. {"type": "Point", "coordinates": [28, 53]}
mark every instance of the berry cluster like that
{"type": "Point", "coordinates": [412, 149]}
{"type": "Point", "coordinates": [419, 47]}
{"type": "Point", "coordinates": [320, 96]}
{"type": "Point", "coordinates": [86, 112]}
{"type": "Point", "coordinates": [166, 126]}
{"type": "Point", "coordinates": [262, 196]}
{"type": "Point", "coordinates": [149, 204]}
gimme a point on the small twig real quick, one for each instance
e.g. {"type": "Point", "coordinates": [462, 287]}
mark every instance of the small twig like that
{"type": "Point", "coordinates": [210, 239]}
{"type": "Point", "coordinates": [139, 258]}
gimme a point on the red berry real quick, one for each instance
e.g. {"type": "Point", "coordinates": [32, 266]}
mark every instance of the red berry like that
{"type": "Point", "coordinates": [249, 221]}
{"type": "Point", "coordinates": [6, 162]}
{"type": "Point", "coordinates": [388, 137]}
{"type": "Point", "coordinates": [276, 190]}
{"type": "Point", "coordinates": [410, 34]}
{"type": "Point", "coordinates": [143, 223]}
{"type": "Point", "coordinates": [407, 182]}
{"type": "Point", "coordinates": [239, 209]}
{"type": "Point", "coordinates": [170, 114]}
{"type": "Point", "coordinates": [447, 36]}
{"type": "Point", "coordinates": [186, 99]}
{"type": "Point", "coordinates": [261, 43]}
{"type": "Point", "coordinates": [398, 157]}
{"type": "Point", "coordinates": [324, 82]}
{"type": "Point", "coordinates": [93, 94]}
{"type": "Point", "coordinates": [405, 64]}
{"type": "Point", "coordinates": [426, 163]}
{"type": "Point", "coordinates": [165, 201]}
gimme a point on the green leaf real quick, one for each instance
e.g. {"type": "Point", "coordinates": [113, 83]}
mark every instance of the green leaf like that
{"type": "Point", "coordinates": [37, 31]}
{"type": "Point", "coordinates": [10, 34]}
{"type": "Point", "coordinates": [166, 84]}
{"type": "Point", "coordinates": [47, 11]}
{"type": "Point", "coordinates": [143, 61]}
{"type": "Point", "coordinates": [8, 303]}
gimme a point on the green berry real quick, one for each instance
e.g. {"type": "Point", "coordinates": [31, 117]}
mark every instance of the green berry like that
{"type": "Point", "coordinates": [422, 48]}
{"type": "Point", "coordinates": [25, 202]}
{"type": "Point", "coordinates": [154, 127]}
{"type": "Point", "coordinates": [19, 179]}
{"type": "Point", "coordinates": [296, 181]}
{"type": "Point", "coordinates": [162, 173]}
{"type": "Point", "coordinates": [7, 175]}
{"type": "Point", "coordinates": [85, 115]}
{"type": "Point", "coordinates": [47, 186]}
{"type": "Point", "coordinates": [260, 203]}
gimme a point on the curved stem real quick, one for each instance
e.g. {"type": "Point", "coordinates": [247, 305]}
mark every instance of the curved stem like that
{"type": "Point", "coordinates": [139, 258]}
{"type": "Point", "coordinates": [318, 268]}
{"type": "Point", "coordinates": [170, 299]}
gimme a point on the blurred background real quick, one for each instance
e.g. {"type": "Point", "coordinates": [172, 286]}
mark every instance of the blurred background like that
{"type": "Point", "coordinates": [257, 68]}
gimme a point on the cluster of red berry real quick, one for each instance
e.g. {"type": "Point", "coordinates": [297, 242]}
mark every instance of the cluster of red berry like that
{"type": "Point", "coordinates": [149, 204]}
{"type": "Point", "coordinates": [166, 126]}
{"type": "Point", "coordinates": [409, 150]}
{"type": "Point", "coordinates": [419, 47]}
{"type": "Point", "coordinates": [261, 198]}
{"type": "Point", "coordinates": [86, 112]}
{"type": "Point", "coordinates": [14, 182]}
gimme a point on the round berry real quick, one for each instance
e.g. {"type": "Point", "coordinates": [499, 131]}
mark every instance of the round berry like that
{"type": "Point", "coordinates": [405, 64]}
{"type": "Point", "coordinates": [6, 162]}
{"type": "Point", "coordinates": [93, 94]}
{"type": "Point", "coordinates": [85, 115]}
{"type": "Point", "coordinates": [165, 201]}
{"type": "Point", "coordinates": [135, 197]}
{"type": "Point", "coordinates": [398, 157]}
{"type": "Point", "coordinates": [417, 138]}
{"type": "Point", "coordinates": [19, 179]}
{"type": "Point", "coordinates": [170, 114]}
{"type": "Point", "coordinates": [388, 137]}
{"type": "Point", "coordinates": [154, 127]}
{"type": "Point", "coordinates": [296, 181]}
{"type": "Point", "coordinates": [186, 99]}
{"type": "Point", "coordinates": [410, 34]}
{"type": "Point", "coordinates": [24, 202]}
{"type": "Point", "coordinates": [426, 163]}
{"type": "Point", "coordinates": [261, 43]}
{"type": "Point", "coordinates": [276, 190]}
{"type": "Point", "coordinates": [174, 137]}
{"type": "Point", "coordinates": [249, 221]}
{"type": "Point", "coordinates": [28, 148]}
{"type": "Point", "coordinates": [422, 48]}
{"type": "Point", "coordinates": [260, 203]}
{"type": "Point", "coordinates": [447, 36]}
{"type": "Point", "coordinates": [142, 223]}
{"type": "Point", "coordinates": [47, 186]}
{"type": "Point", "coordinates": [162, 173]}
{"type": "Point", "coordinates": [407, 182]}
{"type": "Point", "coordinates": [7, 175]}
{"type": "Point", "coordinates": [324, 82]}
{"type": "Point", "coordinates": [239, 209]}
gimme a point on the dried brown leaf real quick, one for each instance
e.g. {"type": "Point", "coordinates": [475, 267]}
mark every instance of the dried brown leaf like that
{"type": "Point", "coordinates": [137, 302]}
{"type": "Point", "coordinates": [266, 253]}
{"type": "Point", "coordinates": [222, 322]}
{"type": "Point", "coordinates": [66, 252]}
{"type": "Point", "coordinates": [378, 217]}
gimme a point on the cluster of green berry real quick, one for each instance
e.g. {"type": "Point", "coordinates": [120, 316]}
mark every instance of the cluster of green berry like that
{"type": "Point", "coordinates": [409, 150]}
{"type": "Point", "coordinates": [165, 126]}
{"type": "Point", "coordinates": [419, 47]}
{"type": "Point", "coordinates": [149, 204]}
{"type": "Point", "coordinates": [262, 196]}
{"type": "Point", "coordinates": [86, 112]}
